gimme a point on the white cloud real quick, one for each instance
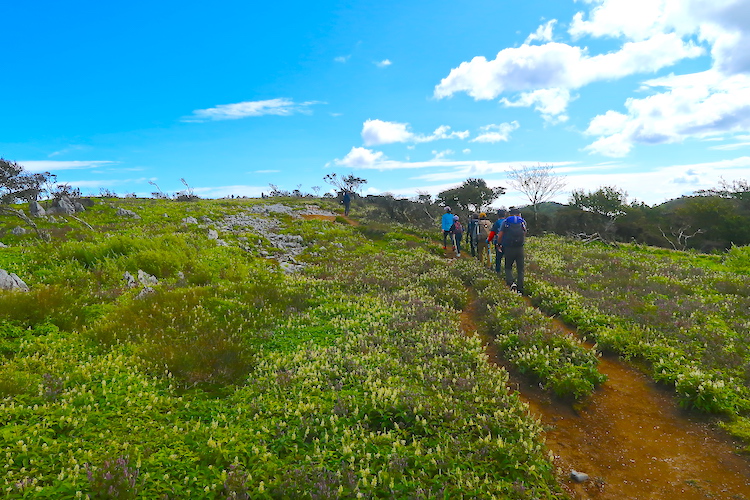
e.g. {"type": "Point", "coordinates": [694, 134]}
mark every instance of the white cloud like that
{"type": "Point", "coordinates": [439, 155]}
{"type": "Point", "coordinates": [361, 158]}
{"type": "Point", "coordinates": [724, 24]}
{"type": "Point", "coordinates": [342, 59]}
{"type": "Point", "coordinates": [496, 133]}
{"type": "Point", "coordinates": [543, 33]}
{"type": "Point", "coordinates": [466, 151]}
{"type": "Point", "coordinates": [731, 147]}
{"type": "Point", "coordinates": [377, 132]}
{"type": "Point", "coordinates": [693, 106]}
{"type": "Point", "coordinates": [280, 107]}
{"type": "Point", "coordinates": [551, 103]}
{"type": "Point", "coordinates": [53, 166]}
{"type": "Point", "coordinates": [560, 66]}
{"type": "Point", "coordinates": [383, 64]}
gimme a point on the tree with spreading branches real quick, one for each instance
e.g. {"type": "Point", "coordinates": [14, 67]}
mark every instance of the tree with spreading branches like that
{"type": "Point", "coordinates": [345, 182]}
{"type": "Point", "coordinates": [17, 184]}
{"type": "Point", "coordinates": [472, 193]}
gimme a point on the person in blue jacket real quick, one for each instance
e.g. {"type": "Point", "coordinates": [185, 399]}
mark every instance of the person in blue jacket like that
{"type": "Point", "coordinates": [347, 201]}
{"type": "Point", "coordinates": [446, 223]}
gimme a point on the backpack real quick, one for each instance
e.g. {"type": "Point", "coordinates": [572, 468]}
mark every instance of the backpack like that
{"type": "Point", "coordinates": [457, 228]}
{"type": "Point", "coordinates": [514, 234]}
{"type": "Point", "coordinates": [484, 229]}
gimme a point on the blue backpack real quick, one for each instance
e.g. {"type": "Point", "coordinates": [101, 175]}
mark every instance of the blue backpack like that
{"type": "Point", "coordinates": [514, 234]}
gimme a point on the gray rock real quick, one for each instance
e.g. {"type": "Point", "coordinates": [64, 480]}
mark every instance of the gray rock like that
{"type": "Point", "coordinates": [190, 220]}
{"type": "Point", "coordinates": [62, 206]}
{"type": "Point", "coordinates": [147, 290]}
{"type": "Point", "coordinates": [222, 243]}
{"type": "Point", "coordinates": [122, 212]}
{"type": "Point", "coordinates": [36, 210]}
{"type": "Point", "coordinates": [78, 206]}
{"type": "Point", "coordinates": [3, 245]}
{"type": "Point", "coordinates": [213, 234]}
{"type": "Point", "coordinates": [146, 279]}
{"type": "Point", "coordinates": [130, 280]}
{"type": "Point", "coordinates": [10, 281]}
{"type": "Point", "coordinates": [578, 477]}
{"type": "Point", "coordinates": [18, 231]}
{"type": "Point", "coordinates": [206, 218]}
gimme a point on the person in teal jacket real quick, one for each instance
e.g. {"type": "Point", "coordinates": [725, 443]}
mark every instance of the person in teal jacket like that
{"type": "Point", "coordinates": [446, 224]}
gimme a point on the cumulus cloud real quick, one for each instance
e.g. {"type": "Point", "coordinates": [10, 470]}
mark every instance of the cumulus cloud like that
{"type": "Point", "coordinates": [704, 105]}
{"type": "Point", "coordinates": [280, 107]}
{"type": "Point", "coordinates": [543, 33]}
{"type": "Point", "coordinates": [383, 64]}
{"type": "Point", "coordinates": [496, 133]}
{"type": "Point", "coordinates": [551, 103]}
{"type": "Point", "coordinates": [377, 132]}
{"type": "Point", "coordinates": [361, 158]}
{"type": "Point", "coordinates": [723, 24]}
{"type": "Point", "coordinates": [561, 66]}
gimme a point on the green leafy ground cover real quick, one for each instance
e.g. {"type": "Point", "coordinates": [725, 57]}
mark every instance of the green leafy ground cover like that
{"type": "Point", "coordinates": [235, 380]}
{"type": "Point", "coordinates": [687, 315]}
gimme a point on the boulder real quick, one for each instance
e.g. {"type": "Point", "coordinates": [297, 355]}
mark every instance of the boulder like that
{"type": "Point", "coordinates": [579, 477]}
{"type": "Point", "coordinates": [62, 206]}
{"type": "Point", "coordinates": [146, 279]}
{"type": "Point", "coordinates": [3, 245]}
{"type": "Point", "coordinates": [190, 220]}
{"type": "Point", "coordinates": [36, 210]}
{"type": "Point", "coordinates": [18, 231]}
{"type": "Point", "coordinates": [130, 280]}
{"type": "Point", "coordinates": [213, 234]}
{"type": "Point", "coordinates": [78, 206]}
{"type": "Point", "coordinates": [122, 212]}
{"type": "Point", "coordinates": [9, 281]}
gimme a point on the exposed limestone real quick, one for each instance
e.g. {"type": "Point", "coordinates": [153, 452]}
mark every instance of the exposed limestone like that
{"type": "Point", "coordinates": [123, 212]}
{"type": "Point", "coordinates": [10, 281]}
{"type": "Point", "coordinates": [36, 210]}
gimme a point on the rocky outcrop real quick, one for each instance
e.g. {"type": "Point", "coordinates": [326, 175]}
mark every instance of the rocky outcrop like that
{"type": "Point", "coordinates": [123, 212]}
{"type": "Point", "coordinates": [62, 206]}
{"type": "Point", "coordinates": [10, 281]}
{"type": "Point", "coordinates": [36, 210]}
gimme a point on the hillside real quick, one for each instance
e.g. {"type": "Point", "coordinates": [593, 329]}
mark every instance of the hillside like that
{"type": "Point", "coordinates": [276, 349]}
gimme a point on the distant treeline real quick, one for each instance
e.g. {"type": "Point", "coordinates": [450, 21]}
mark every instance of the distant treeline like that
{"type": "Point", "coordinates": [713, 220]}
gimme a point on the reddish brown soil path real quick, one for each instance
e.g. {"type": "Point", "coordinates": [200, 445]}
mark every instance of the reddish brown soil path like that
{"type": "Point", "coordinates": [632, 439]}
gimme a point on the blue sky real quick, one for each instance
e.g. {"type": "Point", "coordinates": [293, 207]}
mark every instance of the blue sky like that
{"type": "Point", "coordinates": [652, 96]}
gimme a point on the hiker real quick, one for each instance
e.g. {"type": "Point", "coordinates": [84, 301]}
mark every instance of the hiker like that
{"type": "Point", "coordinates": [347, 201]}
{"type": "Point", "coordinates": [457, 232]}
{"type": "Point", "coordinates": [472, 232]}
{"type": "Point", "coordinates": [483, 249]}
{"type": "Point", "coordinates": [512, 237]}
{"type": "Point", "coordinates": [501, 215]}
{"type": "Point", "coordinates": [446, 223]}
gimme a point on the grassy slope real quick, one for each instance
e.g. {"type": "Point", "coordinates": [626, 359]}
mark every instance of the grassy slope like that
{"type": "Point", "coordinates": [235, 379]}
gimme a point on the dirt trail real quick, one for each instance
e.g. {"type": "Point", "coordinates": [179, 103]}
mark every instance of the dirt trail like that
{"type": "Point", "coordinates": [331, 218]}
{"type": "Point", "coordinates": [632, 439]}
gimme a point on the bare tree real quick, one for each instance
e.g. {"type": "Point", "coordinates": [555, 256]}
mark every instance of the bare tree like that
{"type": "Point", "coordinates": [538, 184]}
{"type": "Point", "coordinates": [345, 182]}
{"type": "Point", "coordinates": [680, 236]}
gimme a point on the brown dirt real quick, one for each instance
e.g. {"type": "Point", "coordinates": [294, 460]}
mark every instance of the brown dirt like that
{"type": "Point", "coordinates": [632, 439]}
